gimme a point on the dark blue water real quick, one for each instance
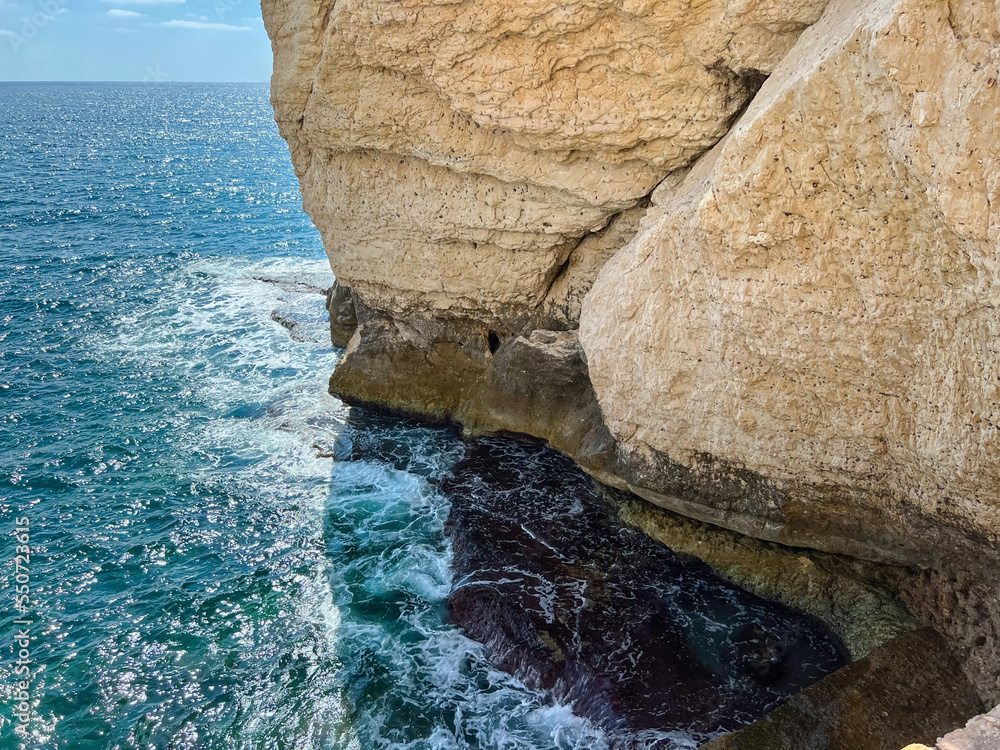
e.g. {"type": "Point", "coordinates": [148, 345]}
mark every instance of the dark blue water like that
{"type": "Point", "coordinates": [203, 572]}
{"type": "Point", "coordinates": [200, 566]}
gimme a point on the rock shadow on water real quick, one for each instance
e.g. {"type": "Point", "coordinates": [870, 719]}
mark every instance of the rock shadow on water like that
{"type": "Point", "coordinates": [653, 647]}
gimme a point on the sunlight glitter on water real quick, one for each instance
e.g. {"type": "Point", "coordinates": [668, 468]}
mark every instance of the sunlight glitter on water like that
{"type": "Point", "coordinates": [208, 576]}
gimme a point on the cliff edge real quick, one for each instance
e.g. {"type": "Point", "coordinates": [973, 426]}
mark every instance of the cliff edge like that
{"type": "Point", "coordinates": [739, 258]}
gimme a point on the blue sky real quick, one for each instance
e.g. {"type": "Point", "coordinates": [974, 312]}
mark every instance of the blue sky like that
{"type": "Point", "coordinates": [133, 40]}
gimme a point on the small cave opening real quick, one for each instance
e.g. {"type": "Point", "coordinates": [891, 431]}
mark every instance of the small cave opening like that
{"type": "Point", "coordinates": [494, 341]}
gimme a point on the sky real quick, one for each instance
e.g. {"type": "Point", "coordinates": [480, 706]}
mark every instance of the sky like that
{"type": "Point", "coordinates": [133, 40]}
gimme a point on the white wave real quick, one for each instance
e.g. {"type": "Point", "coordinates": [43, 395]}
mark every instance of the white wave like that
{"type": "Point", "coordinates": [379, 531]}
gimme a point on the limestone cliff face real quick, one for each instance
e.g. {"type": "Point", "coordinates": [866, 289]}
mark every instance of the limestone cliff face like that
{"type": "Point", "coordinates": [814, 307]}
{"type": "Point", "coordinates": [789, 324]}
{"type": "Point", "coordinates": [817, 301]}
{"type": "Point", "coordinates": [812, 312]}
{"type": "Point", "coordinates": [455, 155]}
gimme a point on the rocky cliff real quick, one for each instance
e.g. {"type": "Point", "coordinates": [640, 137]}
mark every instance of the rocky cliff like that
{"type": "Point", "coordinates": [740, 258]}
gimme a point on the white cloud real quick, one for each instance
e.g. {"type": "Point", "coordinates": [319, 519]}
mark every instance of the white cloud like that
{"type": "Point", "coordinates": [4, 32]}
{"type": "Point", "coordinates": [204, 26]}
{"type": "Point", "coordinates": [116, 13]}
{"type": "Point", "coordinates": [143, 2]}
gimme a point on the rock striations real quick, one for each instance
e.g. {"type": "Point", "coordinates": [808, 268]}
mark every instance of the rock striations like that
{"type": "Point", "coordinates": [741, 258]}
{"type": "Point", "coordinates": [458, 157]}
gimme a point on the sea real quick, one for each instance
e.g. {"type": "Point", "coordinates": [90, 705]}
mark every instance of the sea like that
{"type": "Point", "coordinates": [202, 569]}
{"type": "Point", "coordinates": [194, 554]}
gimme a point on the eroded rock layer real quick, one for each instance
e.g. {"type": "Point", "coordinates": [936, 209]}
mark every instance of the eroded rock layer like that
{"type": "Point", "coordinates": [457, 157]}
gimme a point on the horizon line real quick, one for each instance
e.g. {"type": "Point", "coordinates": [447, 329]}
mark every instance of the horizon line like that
{"type": "Point", "coordinates": [151, 83]}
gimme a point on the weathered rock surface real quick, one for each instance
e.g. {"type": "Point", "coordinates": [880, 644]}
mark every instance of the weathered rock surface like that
{"type": "Point", "coordinates": [457, 156]}
{"type": "Point", "coordinates": [343, 314]}
{"type": "Point", "coordinates": [961, 603]}
{"type": "Point", "coordinates": [904, 690]}
{"type": "Point", "coordinates": [980, 733]}
{"type": "Point", "coordinates": [817, 301]}
{"type": "Point", "coordinates": [811, 312]}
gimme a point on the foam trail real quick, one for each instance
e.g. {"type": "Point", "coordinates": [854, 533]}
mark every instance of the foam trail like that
{"type": "Point", "coordinates": [370, 588]}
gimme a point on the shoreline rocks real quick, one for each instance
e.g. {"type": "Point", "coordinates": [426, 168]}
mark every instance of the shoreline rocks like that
{"type": "Point", "coordinates": [894, 695]}
{"type": "Point", "coordinates": [770, 305]}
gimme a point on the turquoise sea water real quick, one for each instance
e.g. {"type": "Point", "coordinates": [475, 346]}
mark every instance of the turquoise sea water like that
{"type": "Point", "coordinates": [203, 574]}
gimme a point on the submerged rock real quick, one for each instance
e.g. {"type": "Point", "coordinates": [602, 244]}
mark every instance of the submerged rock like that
{"type": "Point", "coordinates": [905, 690]}
{"type": "Point", "coordinates": [849, 595]}
{"type": "Point", "coordinates": [652, 646]}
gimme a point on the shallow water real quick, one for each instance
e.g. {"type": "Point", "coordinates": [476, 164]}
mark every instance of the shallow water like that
{"type": "Point", "coordinates": [205, 573]}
